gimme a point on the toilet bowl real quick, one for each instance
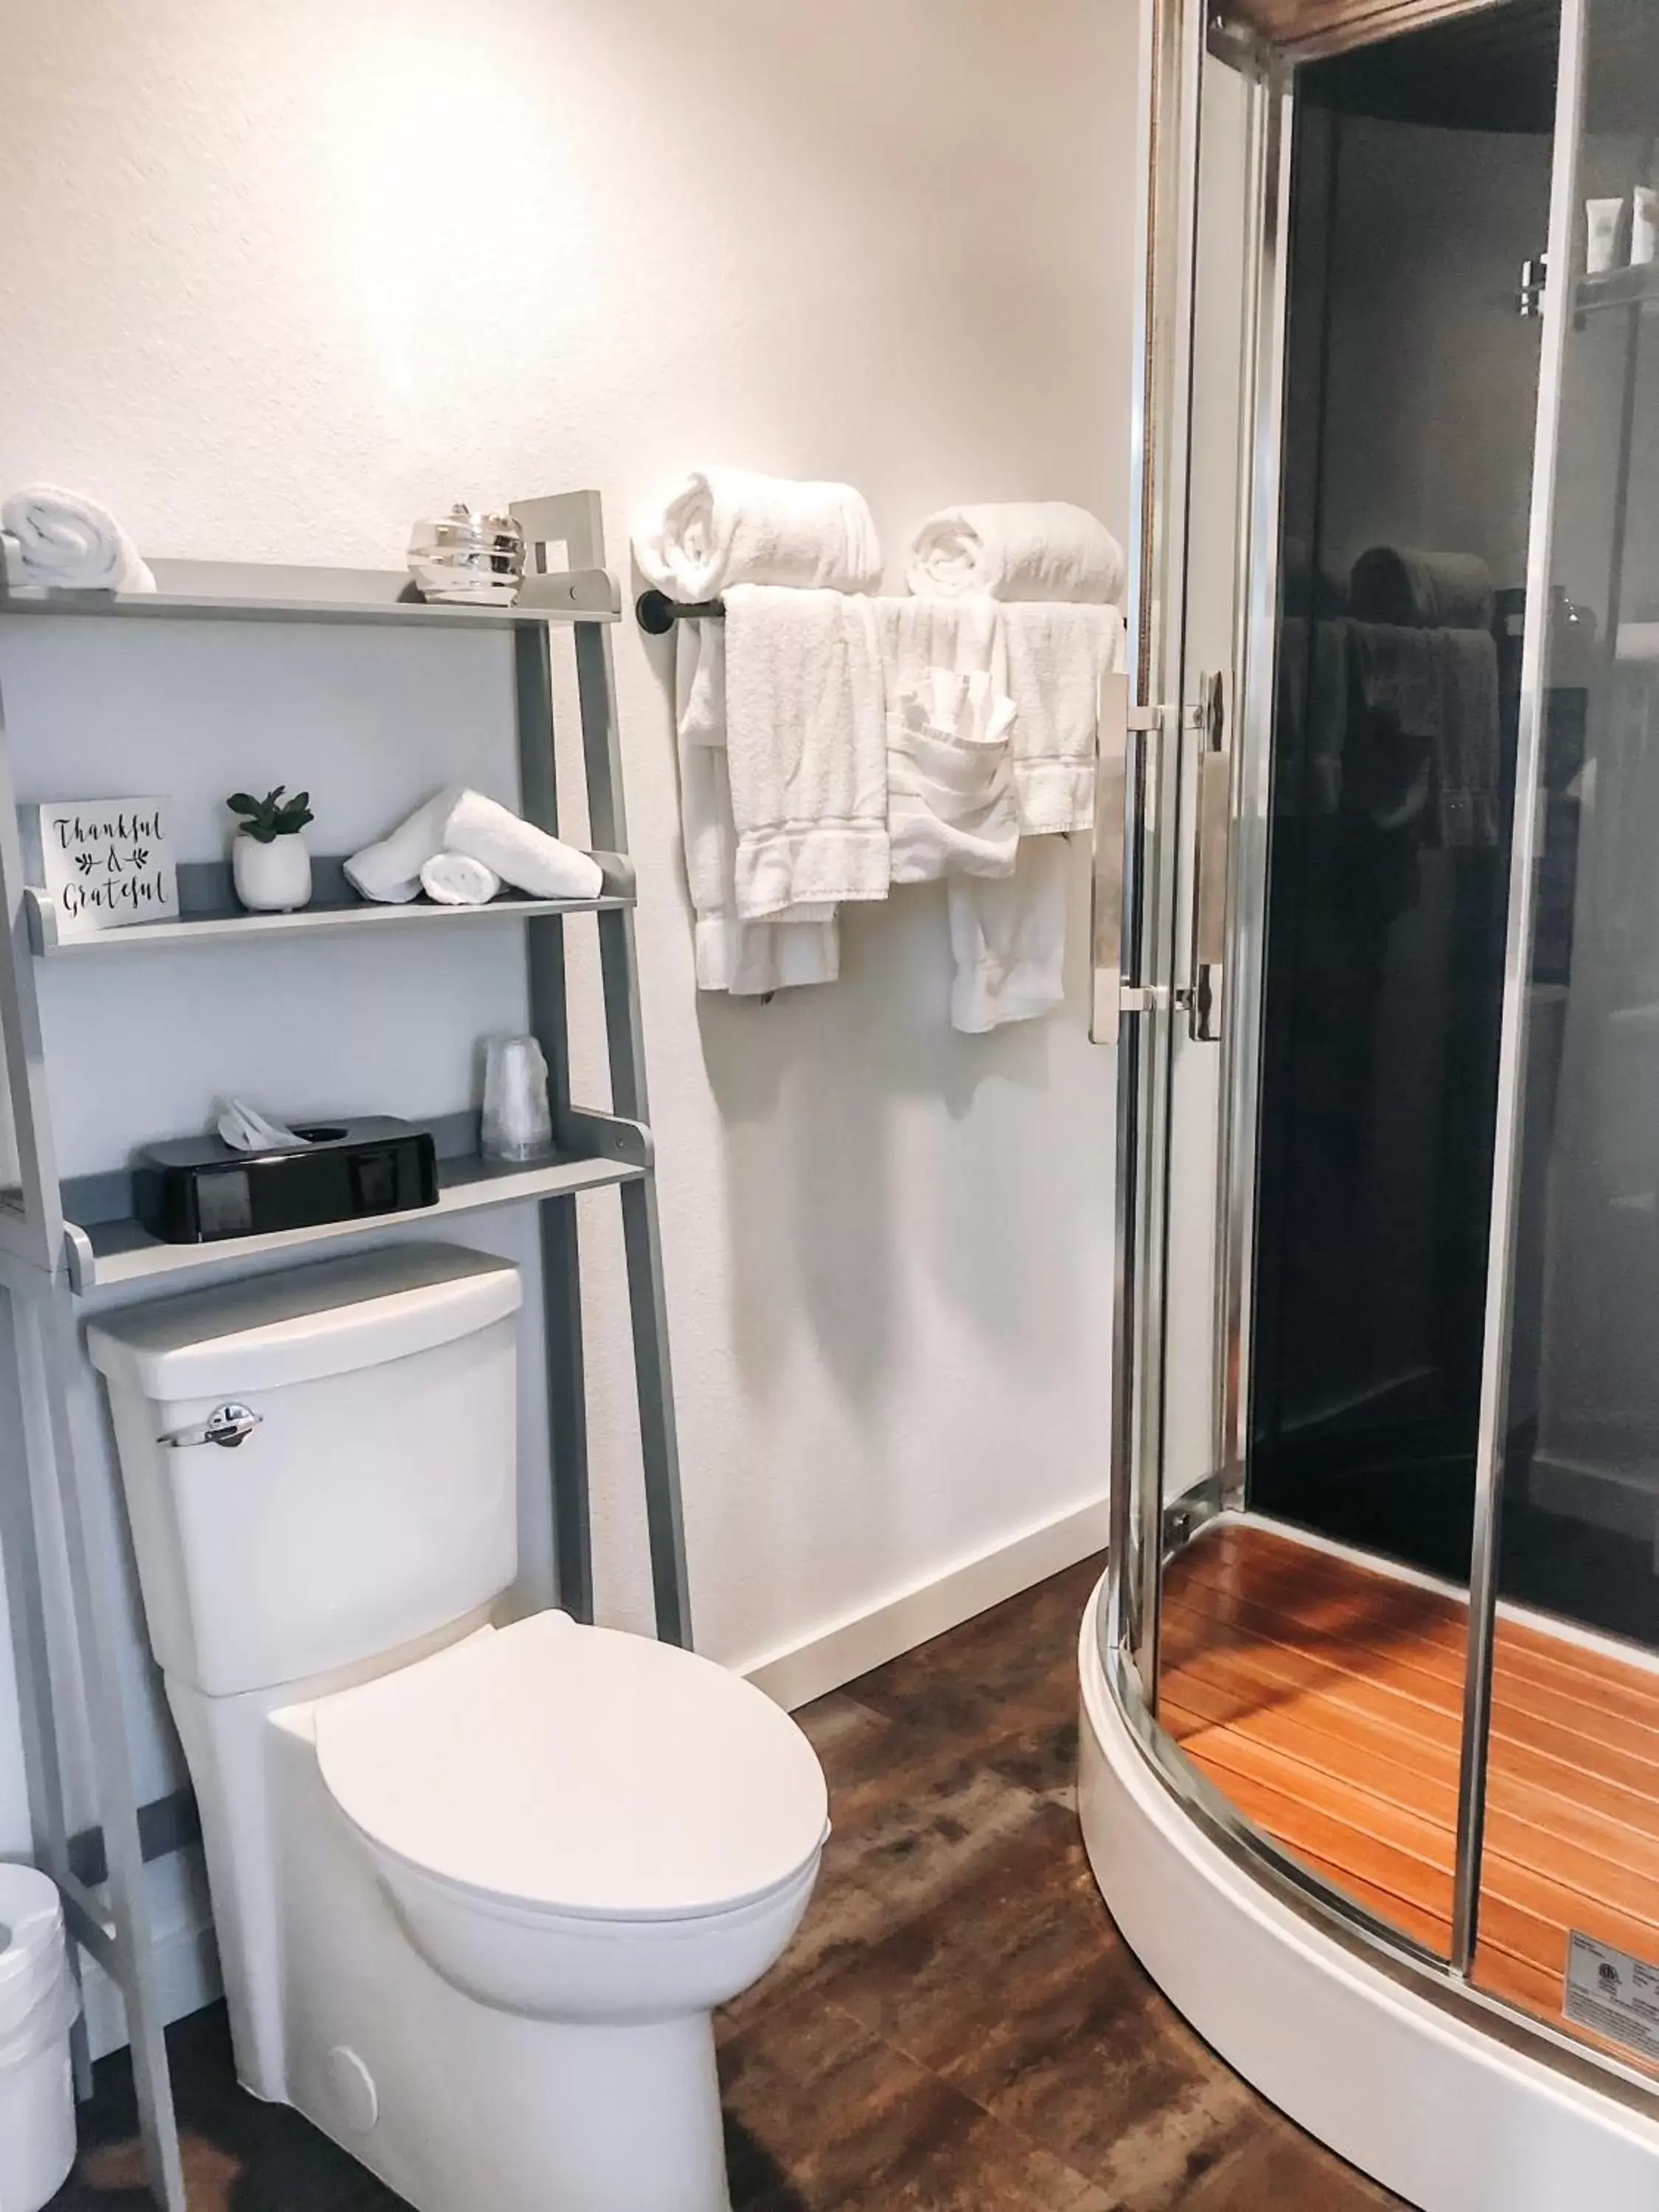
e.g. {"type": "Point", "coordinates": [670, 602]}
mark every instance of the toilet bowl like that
{"type": "Point", "coordinates": [477, 1888]}
{"type": "Point", "coordinates": [703, 1813]}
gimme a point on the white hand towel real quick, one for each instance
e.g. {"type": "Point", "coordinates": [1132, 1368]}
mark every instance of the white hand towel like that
{"type": "Point", "coordinates": [453, 879]}
{"type": "Point", "coordinates": [919, 636]}
{"type": "Point", "coordinates": [1021, 549]}
{"type": "Point", "coordinates": [749, 959]}
{"type": "Point", "coordinates": [1008, 936]}
{"type": "Point", "coordinates": [805, 749]}
{"type": "Point", "coordinates": [519, 853]}
{"type": "Point", "coordinates": [730, 527]}
{"type": "Point", "coordinates": [71, 543]}
{"type": "Point", "coordinates": [1056, 655]}
{"type": "Point", "coordinates": [390, 871]}
{"type": "Point", "coordinates": [951, 808]}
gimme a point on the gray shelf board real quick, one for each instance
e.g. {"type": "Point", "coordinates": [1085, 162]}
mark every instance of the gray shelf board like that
{"type": "Point", "coordinates": [111, 1252]}
{"type": "Point", "coordinates": [238, 590]}
{"type": "Point", "coordinates": [215, 925]}
{"type": "Point", "coordinates": [1618, 287]}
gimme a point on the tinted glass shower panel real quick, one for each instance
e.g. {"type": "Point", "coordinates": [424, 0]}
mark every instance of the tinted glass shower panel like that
{"type": "Point", "coordinates": [1421, 189]}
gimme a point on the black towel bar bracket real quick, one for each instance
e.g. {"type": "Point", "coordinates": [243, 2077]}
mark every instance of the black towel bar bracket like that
{"type": "Point", "coordinates": [657, 614]}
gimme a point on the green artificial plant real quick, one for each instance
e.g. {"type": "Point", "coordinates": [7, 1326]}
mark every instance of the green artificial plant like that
{"type": "Point", "coordinates": [266, 819]}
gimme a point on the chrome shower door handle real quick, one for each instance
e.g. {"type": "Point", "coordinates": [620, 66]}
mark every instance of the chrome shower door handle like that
{"type": "Point", "coordinates": [1111, 830]}
{"type": "Point", "coordinates": [1210, 855]}
{"type": "Point", "coordinates": [1119, 795]}
{"type": "Point", "coordinates": [227, 1425]}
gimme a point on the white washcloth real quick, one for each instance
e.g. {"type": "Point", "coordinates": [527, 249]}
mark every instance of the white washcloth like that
{"type": "Point", "coordinates": [749, 959]}
{"type": "Point", "coordinates": [1056, 655]}
{"type": "Point", "coordinates": [1021, 549]}
{"type": "Point", "coordinates": [805, 749]}
{"type": "Point", "coordinates": [453, 879]}
{"type": "Point", "coordinates": [72, 543]}
{"type": "Point", "coordinates": [1008, 936]}
{"type": "Point", "coordinates": [390, 871]}
{"type": "Point", "coordinates": [950, 803]}
{"type": "Point", "coordinates": [730, 527]}
{"type": "Point", "coordinates": [519, 853]}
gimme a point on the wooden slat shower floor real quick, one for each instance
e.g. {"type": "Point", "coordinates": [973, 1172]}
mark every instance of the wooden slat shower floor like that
{"type": "Point", "coordinates": [1324, 1699]}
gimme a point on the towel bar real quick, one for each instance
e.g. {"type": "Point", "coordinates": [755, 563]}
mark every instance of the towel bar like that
{"type": "Point", "coordinates": [657, 614]}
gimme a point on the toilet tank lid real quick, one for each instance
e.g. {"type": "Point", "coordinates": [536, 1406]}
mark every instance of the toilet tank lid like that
{"type": "Point", "coordinates": [304, 1323]}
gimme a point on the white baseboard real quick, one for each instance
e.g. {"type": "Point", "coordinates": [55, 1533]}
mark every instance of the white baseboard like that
{"type": "Point", "coordinates": [187, 1961]}
{"type": "Point", "coordinates": [804, 1671]}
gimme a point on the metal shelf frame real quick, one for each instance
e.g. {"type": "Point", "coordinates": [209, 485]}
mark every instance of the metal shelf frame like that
{"type": "Point", "coordinates": [55, 1246]}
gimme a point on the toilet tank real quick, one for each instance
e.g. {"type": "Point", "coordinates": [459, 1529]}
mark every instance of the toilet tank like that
{"type": "Point", "coordinates": [376, 1497]}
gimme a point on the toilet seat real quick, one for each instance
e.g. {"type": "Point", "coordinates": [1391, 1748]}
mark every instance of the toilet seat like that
{"type": "Point", "coordinates": [579, 1772]}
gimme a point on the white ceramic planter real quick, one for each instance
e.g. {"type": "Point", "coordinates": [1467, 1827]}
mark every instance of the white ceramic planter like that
{"type": "Point", "coordinates": [272, 878]}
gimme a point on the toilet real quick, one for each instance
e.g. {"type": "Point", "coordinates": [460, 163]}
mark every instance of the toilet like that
{"type": "Point", "coordinates": [477, 1887]}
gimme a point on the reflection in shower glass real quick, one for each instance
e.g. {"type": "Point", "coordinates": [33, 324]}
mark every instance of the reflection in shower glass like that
{"type": "Point", "coordinates": [1422, 184]}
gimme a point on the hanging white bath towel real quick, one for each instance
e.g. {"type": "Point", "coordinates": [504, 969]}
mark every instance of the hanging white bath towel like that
{"type": "Point", "coordinates": [806, 749]}
{"type": "Point", "coordinates": [749, 959]}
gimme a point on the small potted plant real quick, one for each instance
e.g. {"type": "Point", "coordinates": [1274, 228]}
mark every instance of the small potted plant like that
{"type": "Point", "coordinates": [270, 864]}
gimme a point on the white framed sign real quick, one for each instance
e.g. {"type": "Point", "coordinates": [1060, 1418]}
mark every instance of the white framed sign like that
{"type": "Point", "coordinates": [105, 862]}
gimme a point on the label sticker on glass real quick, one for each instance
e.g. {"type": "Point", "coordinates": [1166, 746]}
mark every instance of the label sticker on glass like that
{"type": "Point", "coordinates": [1613, 1993]}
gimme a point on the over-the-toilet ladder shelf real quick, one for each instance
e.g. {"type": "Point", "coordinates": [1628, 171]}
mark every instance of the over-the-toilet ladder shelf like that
{"type": "Point", "coordinates": [60, 1239]}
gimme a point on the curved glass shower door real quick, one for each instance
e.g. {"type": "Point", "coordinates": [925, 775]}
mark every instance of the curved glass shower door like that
{"type": "Point", "coordinates": [1567, 1911]}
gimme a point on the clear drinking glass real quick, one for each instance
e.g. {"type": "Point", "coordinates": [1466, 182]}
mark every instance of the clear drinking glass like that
{"type": "Point", "coordinates": [517, 1122]}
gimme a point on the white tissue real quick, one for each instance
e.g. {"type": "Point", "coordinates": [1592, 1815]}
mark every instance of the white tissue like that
{"type": "Point", "coordinates": [246, 1129]}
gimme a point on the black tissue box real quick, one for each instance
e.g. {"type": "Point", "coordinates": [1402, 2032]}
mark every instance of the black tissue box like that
{"type": "Point", "coordinates": [197, 1190]}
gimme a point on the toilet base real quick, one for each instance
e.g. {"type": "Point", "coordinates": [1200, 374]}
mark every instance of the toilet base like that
{"type": "Point", "coordinates": [626, 2119]}
{"type": "Point", "coordinates": [453, 2104]}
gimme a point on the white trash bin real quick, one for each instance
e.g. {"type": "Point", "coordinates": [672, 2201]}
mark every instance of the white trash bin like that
{"type": "Point", "coordinates": [38, 2006]}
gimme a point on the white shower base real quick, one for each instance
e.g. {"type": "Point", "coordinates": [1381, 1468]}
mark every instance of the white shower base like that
{"type": "Point", "coordinates": [1425, 2102]}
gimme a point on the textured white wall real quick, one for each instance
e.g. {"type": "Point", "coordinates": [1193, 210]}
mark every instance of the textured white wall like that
{"type": "Point", "coordinates": [276, 280]}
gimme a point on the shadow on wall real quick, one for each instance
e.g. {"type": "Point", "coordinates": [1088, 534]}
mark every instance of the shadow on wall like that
{"type": "Point", "coordinates": [820, 1091]}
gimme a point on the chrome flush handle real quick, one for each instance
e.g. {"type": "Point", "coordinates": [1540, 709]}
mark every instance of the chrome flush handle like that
{"type": "Point", "coordinates": [227, 1425]}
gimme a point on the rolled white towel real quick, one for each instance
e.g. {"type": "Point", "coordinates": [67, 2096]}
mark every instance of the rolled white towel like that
{"type": "Point", "coordinates": [520, 854]}
{"type": "Point", "coordinates": [455, 879]}
{"type": "Point", "coordinates": [732, 527]}
{"type": "Point", "coordinates": [72, 544]}
{"type": "Point", "coordinates": [390, 871]}
{"type": "Point", "coordinates": [1020, 549]}
{"type": "Point", "coordinates": [457, 820]}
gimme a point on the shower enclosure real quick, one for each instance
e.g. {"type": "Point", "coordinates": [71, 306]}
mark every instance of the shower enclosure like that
{"type": "Point", "coordinates": [1381, 1618]}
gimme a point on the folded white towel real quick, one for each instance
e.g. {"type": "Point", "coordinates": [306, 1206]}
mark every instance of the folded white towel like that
{"type": "Point", "coordinates": [71, 543]}
{"type": "Point", "coordinates": [951, 808]}
{"type": "Point", "coordinates": [749, 959]}
{"type": "Point", "coordinates": [806, 750]}
{"type": "Point", "coordinates": [390, 871]}
{"type": "Point", "coordinates": [455, 879]}
{"type": "Point", "coordinates": [520, 854]}
{"type": "Point", "coordinates": [1021, 549]}
{"type": "Point", "coordinates": [1056, 655]}
{"type": "Point", "coordinates": [730, 527]}
{"type": "Point", "coordinates": [1008, 936]}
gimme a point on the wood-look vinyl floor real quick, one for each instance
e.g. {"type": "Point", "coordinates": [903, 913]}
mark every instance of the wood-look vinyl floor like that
{"type": "Point", "coordinates": [1323, 1698]}
{"type": "Point", "coordinates": [957, 2026]}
